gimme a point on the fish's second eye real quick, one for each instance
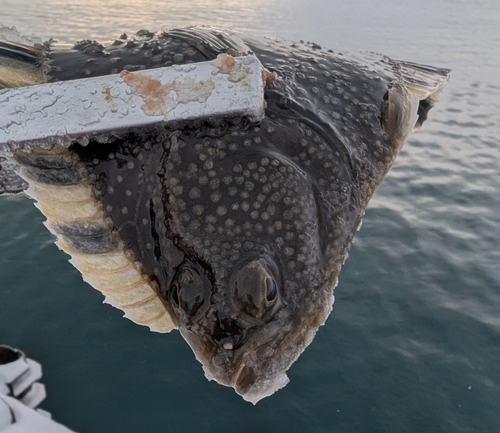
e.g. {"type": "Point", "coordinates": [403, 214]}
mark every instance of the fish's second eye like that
{"type": "Point", "coordinates": [271, 291]}
{"type": "Point", "coordinates": [190, 290]}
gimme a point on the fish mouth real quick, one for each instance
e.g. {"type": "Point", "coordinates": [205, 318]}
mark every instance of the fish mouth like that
{"type": "Point", "coordinates": [248, 368]}
{"type": "Point", "coordinates": [244, 373]}
{"type": "Point", "coordinates": [252, 386]}
{"type": "Point", "coordinates": [255, 365]}
{"type": "Point", "coordinates": [237, 374]}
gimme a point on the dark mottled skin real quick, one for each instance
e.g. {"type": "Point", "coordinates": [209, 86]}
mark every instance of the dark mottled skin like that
{"type": "Point", "coordinates": [215, 210]}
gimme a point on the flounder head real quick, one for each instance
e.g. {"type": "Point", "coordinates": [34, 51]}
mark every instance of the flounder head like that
{"type": "Point", "coordinates": [248, 297]}
{"type": "Point", "coordinates": [239, 341]}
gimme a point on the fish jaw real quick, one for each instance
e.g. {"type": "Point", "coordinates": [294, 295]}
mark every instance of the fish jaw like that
{"type": "Point", "coordinates": [264, 388]}
{"type": "Point", "coordinates": [257, 369]}
{"type": "Point", "coordinates": [253, 370]}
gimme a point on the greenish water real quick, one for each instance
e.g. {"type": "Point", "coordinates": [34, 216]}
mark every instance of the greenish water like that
{"type": "Point", "coordinates": [414, 340]}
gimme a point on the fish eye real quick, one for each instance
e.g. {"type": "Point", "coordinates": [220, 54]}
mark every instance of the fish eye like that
{"type": "Point", "coordinates": [255, 289]}
{"type": "Point", "coordinates": [189, 290]}
{"type": "Point", "coordinates": [270, 290]}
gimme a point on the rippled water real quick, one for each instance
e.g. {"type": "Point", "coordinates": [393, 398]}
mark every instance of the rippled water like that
{"type": "Point", "coordinates": [413, 343]}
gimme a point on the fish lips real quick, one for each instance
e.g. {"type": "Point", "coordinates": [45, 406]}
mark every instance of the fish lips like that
{"type": "Point", "coordinates": [255, 370]}
{"type": "Point", "coordinates": [259, 373]}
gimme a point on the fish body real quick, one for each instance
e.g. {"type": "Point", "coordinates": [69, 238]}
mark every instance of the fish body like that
{"type": "Point", "coordinates": [233, 232]}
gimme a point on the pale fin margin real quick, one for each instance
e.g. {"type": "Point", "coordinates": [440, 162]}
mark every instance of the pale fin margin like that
{"type": "Point", "coordinates": [76, 218]}
{"type": "Point", "coordinates": [410, 97]}
{"type": "Point", "coordinates": [425, 83]}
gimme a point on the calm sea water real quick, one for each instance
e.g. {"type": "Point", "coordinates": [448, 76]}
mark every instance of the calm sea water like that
{"type": "Point", "coordinates": [413, 344]}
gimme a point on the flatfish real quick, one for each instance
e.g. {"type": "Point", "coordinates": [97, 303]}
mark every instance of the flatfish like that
{"type": "Point", "coordinates": [232, 232]}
